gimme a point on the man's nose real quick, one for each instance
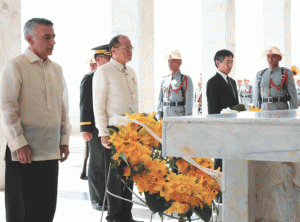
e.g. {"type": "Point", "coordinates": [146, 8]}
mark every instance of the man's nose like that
{"type": "Point", "coordinates": [52, 42]}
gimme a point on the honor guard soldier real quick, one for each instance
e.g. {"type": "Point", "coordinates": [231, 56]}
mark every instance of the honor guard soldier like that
{"type": "Point", "coordinates": [298, 91]}
{"type": "Point", "coordinates": [198, 97]}
{"type": "Point", "coordinates": [275, 88]}
{"type": "Point", "coordinates": [93, 63]}
{"type": "Point", "coordinates": [96, 171]}
{"type": "Point", "coordinates": [239, 85]}
{"type": "Point", "coordinates": [246, 93]}
{"type": "Point", "coordinates": [295, 70]}
{"type": "Point", "coordinates": [176, 90]}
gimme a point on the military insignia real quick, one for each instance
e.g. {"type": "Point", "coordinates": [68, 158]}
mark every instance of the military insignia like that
{"type": "Point", "coordinates": [133, 80]}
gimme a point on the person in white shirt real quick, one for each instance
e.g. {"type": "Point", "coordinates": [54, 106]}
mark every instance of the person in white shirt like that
{"type": "Point", "coordinates": [34, 108]}
{"type": "Point", "coordinates": [115, 91]}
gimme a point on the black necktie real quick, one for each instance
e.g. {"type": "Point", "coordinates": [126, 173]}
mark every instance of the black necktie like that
{"type": "Point", "coordinates": [230, 86]}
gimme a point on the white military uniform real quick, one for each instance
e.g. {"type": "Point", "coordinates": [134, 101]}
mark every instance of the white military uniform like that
{"type": "Point", "coordinates": [246, 95]}
{"type": "Point", "coordinates": [273, 95]}
{"type": "Point", "coordinates": [298, 94]}
{"type": "Point", "coordinates": [176, 95]}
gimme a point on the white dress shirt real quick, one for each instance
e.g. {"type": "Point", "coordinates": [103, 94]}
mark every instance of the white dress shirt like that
{"type": "Point", "coordinates": [115, 91]}
{"type": "Point", "coordinates": [223, 75]}
{"type": "Point", "coordinates": [34, 106]}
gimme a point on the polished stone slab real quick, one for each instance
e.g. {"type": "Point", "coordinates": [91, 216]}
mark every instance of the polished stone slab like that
{"type": "Point", "coordinates": [265, 135]}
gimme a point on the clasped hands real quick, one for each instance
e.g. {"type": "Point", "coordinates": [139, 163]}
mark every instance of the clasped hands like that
{"type": "Point", "coordinates": [24, 154]}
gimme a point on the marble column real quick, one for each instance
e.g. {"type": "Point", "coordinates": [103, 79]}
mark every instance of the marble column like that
{"type": "Point", "coordinates": [10, 46]}
{"type": "Point", "coordinates": [135, 19]}
{"type": "Point", "coordinates": [218, 32]}
{"type": "Point", "coordinates": [277, 28]}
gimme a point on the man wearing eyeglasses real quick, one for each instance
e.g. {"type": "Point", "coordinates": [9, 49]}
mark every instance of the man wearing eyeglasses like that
{"type": "Point", "coordinates": [115, 92]}
{"type": "Point", "coordinates": [96, 170]}
{"type": "Point", "coordinates": [221, 90]}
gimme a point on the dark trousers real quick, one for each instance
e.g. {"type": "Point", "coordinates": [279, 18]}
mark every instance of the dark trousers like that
{"type": "Point", "coordinates": [96, 171]}
{"type": "Point", "coordinates": [30, 190]}
{"type": "Point", "coordinates": [117, 208]}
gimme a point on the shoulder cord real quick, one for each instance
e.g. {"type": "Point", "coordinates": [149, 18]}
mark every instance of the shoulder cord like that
{"type": "Point", "coordinates": [247, 92]}
{"type": "Point", "coordinates": [176, 90]}
{"type": "Point", "coordinates": [284, 77]}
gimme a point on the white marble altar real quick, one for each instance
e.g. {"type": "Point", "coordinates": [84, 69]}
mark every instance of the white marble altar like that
{"type": "Point", "coordinates": [249, 143]}
{"type": "Point", "coordinates": [10, 46]}
{"type": "Point", "coordinates": [244, 136]}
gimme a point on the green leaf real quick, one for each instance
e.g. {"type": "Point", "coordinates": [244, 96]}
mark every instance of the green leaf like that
{"type": "Point", "coordinates": [156, 203]}
{"type": "Point", "coordinates": [131, 111]}
{"type": "Point", "coordinates": [239, 107]}
{"type": "Point", "coordinates": [205, 213]}
{"type": "Point", "coordinates": [124, 158]}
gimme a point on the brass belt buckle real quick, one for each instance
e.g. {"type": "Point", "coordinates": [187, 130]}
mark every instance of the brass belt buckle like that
{"type": "Point", "coordinates": [270, 99]}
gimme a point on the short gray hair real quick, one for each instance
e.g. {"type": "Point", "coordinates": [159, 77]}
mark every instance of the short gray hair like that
{"type": "Point", "coordinates": [31, 24]}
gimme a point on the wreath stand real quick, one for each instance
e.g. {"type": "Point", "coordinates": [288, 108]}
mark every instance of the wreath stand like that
{"type": "Point", "coordinates": [107, 192]}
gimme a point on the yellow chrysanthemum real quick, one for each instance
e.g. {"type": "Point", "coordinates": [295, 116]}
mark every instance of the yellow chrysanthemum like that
{"type": "Point", "coordinates": [127, 171]}
{"type": "Point", "coordinates": [165, 190]}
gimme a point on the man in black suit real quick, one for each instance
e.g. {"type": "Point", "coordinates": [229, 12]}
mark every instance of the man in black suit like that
{"type": "Point", "coordinates": [96, 170]}
{"type": "Point", "coordinates": [221, 90]}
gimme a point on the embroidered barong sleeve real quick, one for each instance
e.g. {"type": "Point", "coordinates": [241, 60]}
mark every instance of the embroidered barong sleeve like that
{"type": "Point", "coordinates": [100, 87]}
{"type": "Point", "coordinates": [10, 85]}
{"type": "Point", "coordinates": [189, 97]}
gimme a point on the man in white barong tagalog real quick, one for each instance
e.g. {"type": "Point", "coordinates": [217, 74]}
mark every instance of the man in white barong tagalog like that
{"type": "Point", "coordinates": [115, 92]}
{"type": "Point", "coordinates": [34, 108]}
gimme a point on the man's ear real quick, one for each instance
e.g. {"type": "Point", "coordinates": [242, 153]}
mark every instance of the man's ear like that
{"type": "Point", "coordinates": [29, 39]}
{"type": "Point", "coordinates": [113, 51]}
{"type": "Point", "coordinates": [218, 63]}
{"type": "Point", "coordinates": [280, 58]}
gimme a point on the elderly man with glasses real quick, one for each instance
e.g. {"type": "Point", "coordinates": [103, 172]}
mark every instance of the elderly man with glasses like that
{"type": "Point", "coordinates": [115, 92]}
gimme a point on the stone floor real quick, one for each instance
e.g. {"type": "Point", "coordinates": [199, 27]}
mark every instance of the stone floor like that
{"type": "Point", "coordinates": [73, 197]}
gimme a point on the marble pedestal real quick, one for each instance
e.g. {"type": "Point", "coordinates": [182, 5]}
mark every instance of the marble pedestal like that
{"type": "Point", "coordinates": [252, 145]}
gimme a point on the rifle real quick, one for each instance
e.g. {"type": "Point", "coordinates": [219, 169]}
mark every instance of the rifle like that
{"type": "Point", "coordinates": [86, 156]}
